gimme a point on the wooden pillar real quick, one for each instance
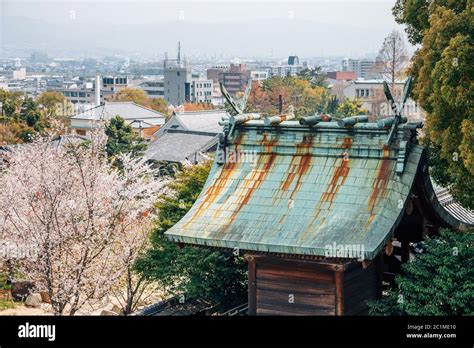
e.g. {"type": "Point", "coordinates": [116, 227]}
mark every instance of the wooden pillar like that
{"type": "Point", "coordinates": [378, 276]}
{"type": "Point", "coordinates": [252, 285]}
{"type": "Point", "coordinates": [339, 278]}
{"type": "Point", "coordinates": [405, 250]}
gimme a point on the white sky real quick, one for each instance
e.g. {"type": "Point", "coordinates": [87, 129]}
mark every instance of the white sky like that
{"type": "Point", "coordinates": [337, 27]}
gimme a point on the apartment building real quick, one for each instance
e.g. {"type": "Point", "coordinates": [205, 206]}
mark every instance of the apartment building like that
{"type": "Point", "coordinates": [361, 67]}
{"type": "Point", "coordinates": [154, 88]}
{"type": "Point", "coordinates": [235, 78]}
{"type": "Point", "coordinates": [202, 90]}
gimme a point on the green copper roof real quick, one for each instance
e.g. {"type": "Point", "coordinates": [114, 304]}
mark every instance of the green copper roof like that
{"type": "Point", "coordinates": [307, 188]}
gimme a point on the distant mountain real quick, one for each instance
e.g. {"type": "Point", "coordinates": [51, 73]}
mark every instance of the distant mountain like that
{"type": "Point", "coordinates": [305, 38]}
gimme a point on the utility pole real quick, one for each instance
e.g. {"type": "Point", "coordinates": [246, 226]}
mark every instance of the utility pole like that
{"type": "Point", "coordinates": [179, 52]}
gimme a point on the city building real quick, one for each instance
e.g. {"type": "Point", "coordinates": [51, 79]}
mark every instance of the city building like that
{"type": "Point", "coordinates": [235, 78]}
{"type": "Point", "coordinates": [111, 85]}
{"type": "Point", "coordinates": [217, 97]}
{"type": "Point", "coordinates": [177, 81]}
{"type": "Point", "coordinates": [202, 90]}
{"type": "Point", "coordinates": [371, 93]}
{"type": "Point", "coordinates": [291, 68]}
{"type": "Point", "coordinates": [259, 75]}
{"type": "Point", "coordinates": [84, 92]}
{"type": "Point", "coordinates": [293, 60]}
{"type": "Point", "coordinates": [213, 73]}
{"type": "Point", "coordinates": [19, 74]}
{"type": "Point", "coordinates": [79, 95]}
{"type": "Point", "coordinates": [145, 122]}
{"type": "Point", "coordinates": [154, 88]}
{"type": "Point", "coordinates": [341, 75]}
{"type": "Point", "coordinates": [361, 67]}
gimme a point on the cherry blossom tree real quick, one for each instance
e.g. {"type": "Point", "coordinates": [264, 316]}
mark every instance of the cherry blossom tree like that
{"type": "Point", "coordinates": [86, 219]}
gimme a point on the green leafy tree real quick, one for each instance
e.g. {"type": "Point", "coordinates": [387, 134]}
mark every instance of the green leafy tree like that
{"type": "Point", "coordinates": [30, 119]}
{"type": "Point", "coordinates": [443, 74]}
{"type": "Point", "coordinates": [194, 272]}
{"type": "Point", "coordinates": [315, 76]}
{"type": "Point", "coordinates": [332, 103]}
{"type": "Point", "coordinates": [296, 91]}
{"type": "Point", "coordinates": [11, 102]}
{"type": "Point", "coordinates": [439, 281]}
{"type": "Point", "coordinates": [122, 139]}
{"type": "Point", "coordinates": [29, 112]}
{"type": "Point", "coordinates": [350, 107]}
{"type": "Point", "coordinates": [53, 104]}
{"type": "Point", "coordinates": [21, 118]}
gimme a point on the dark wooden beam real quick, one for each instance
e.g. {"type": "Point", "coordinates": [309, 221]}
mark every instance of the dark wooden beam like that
{"type": "Point", "coordinates": [252, 286]}
{"type": "Point", "coordinates": [339, 278]}
{"type": "Point", "coordinates": [405, 251]}
{"type": "Point", "coordinates": [317, 264]}
{"type": "Point", "coordinates": [378, 276]}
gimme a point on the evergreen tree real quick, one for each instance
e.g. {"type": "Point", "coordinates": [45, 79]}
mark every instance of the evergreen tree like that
{"type": "Point", "coordinates": [443, 86]}
{"type": "Point", "coordinates": [122, 139]}
{"type": "Point", "coordinates": [439, 281]}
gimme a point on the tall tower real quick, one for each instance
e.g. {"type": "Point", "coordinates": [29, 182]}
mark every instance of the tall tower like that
{"type": "Point", "coordinates": [177, 79]}
{"type": "Point", "coordinates": [97, 91]}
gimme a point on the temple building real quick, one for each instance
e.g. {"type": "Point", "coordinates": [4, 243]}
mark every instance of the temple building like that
{"type": "Point", "coordinates": [321, 210]}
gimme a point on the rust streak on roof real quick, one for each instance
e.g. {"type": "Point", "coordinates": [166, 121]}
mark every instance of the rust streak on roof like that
{"type": "Point", "coordinates": [215, 189]}
{"type": "Point", "coordinates": [300, 164]}
{"type": "Point", "coordinates": [339, 175]}
{"type": "Point", "coordinates": [380, 184]}
{"type": "Point", "coordinates": [257, 177]}
{"type": "Point", "coordinates": [338, 178]}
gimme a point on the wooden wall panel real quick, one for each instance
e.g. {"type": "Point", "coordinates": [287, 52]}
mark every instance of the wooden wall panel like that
{"type": "Point", "coordinates": [289, 287]}
{"type": "Point", "coordinates": [360, 285]}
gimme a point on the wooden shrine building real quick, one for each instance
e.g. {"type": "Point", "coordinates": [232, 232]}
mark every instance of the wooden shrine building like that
{"type": "Point", "coordinates": [314, 206]}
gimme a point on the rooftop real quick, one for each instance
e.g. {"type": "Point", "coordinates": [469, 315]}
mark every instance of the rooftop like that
{"type": "Point", "coordinates": [129, 111]}
{"type": "Point", "coordinates": [376, 81]}
{"type": "Point", "coordinates": [307, 187]}
{"type": "Point", "coordinates": [202, 121]}
{"type": "Point", "coordinates": [180, 146]}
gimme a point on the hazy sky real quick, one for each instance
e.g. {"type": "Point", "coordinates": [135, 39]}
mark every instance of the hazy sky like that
{"type": "Point", "coordinates": [307, 28]}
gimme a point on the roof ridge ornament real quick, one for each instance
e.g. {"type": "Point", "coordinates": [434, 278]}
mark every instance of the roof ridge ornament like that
{"type": "Point", "coordinates": [276, 120]}
{"type": "Point", "coordinates": [238, 106]}
{"type": "Point", "coordinates": [397, 109]}
{"type": "Point", "coordinates": [388, 122]}
{"type": "Point", "coordinates": [315, 119]}
{"type": "Point", "coordinates": [394, 122]}
{"type": "Point", "coordinates": [352, 120]}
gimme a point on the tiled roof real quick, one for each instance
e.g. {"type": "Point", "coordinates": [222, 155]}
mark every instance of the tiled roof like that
{"type": "Point", "coordinates": [202, 121]}
{"type": "Point", "coordinates": [308, 187]}
{"type": "Point", "coordinates": [180, 145]}
{"type": "Point", "coordinates": [447, 202]}
{"type": "Point", "coordinates": [375, 81]}
{"type": "Point", "coordinates": [127, 110]}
